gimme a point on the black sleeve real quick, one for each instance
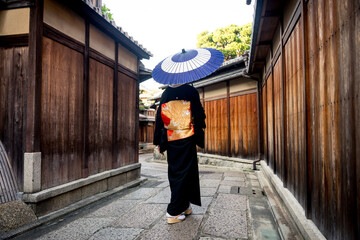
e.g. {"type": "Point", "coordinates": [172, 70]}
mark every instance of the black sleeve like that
{"type": "Point", "coordinates": [159, 125]}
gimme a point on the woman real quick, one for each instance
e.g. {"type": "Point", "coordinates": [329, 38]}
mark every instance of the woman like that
{"type": "Point", "coordinates": [180, 120]}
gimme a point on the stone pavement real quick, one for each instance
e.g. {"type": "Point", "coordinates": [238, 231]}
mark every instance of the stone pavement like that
{"type": "Point", "coordinates": [234, 206]}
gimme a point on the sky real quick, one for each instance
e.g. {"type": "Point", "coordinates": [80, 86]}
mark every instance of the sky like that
{"type": "Point", "coordinates": [164, 27]}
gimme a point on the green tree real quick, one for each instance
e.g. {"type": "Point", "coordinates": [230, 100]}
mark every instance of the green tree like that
{"type": "Point", "coordinates": [232, 40]}
{"type": "Point", "coordinates": [106, 11]}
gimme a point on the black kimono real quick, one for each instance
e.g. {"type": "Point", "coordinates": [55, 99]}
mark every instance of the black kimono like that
{"type": "Point", "coordinates": [180, 120]}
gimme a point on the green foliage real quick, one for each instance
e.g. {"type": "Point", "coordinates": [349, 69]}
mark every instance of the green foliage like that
{"type": "Point", "coordinates": [106, 11]}
{"type": "Point", "coordinates": [232, 40]}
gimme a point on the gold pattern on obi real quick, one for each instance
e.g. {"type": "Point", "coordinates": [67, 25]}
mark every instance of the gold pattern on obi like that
{"type": "Point", "coordinates": [176, 116]}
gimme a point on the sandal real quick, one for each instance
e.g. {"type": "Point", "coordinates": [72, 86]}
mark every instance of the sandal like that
{"type": "Point", "coordinates": [175, 219]}
{"type": "Point", "coordinates": [188, 211]}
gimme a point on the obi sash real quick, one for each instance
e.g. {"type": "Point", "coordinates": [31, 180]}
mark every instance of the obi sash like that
{"type": "Point", "coordinates": [177, 119]}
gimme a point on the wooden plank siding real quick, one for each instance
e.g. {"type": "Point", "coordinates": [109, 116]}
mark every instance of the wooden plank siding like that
{"type": "Point", "coordinates": [216, 132]}
{"type": "Point", "coordinates": [61, 114]}
{"type": "Point", "coordinates": [264, 123]}
{"type": "Point", "coordinates": [13, 76]}
{"type": "Point", "coordinates": [334, 105]}
{"type": "Point", "coordinates": [277, 112]}
{"type": "Point", "coordinates": [63, 119]}
{"type": "Point", "coordinates": [65, 101]}
{"type": "Point", "coordinates": [243, 139]}
{"type": "Point", "coordinates": [100, 117]}
{"type": "Point", "coordinates": [270, 121]}
{"type": "Point", "coordinates": [244, 126]}
{"type": "Point", "coordinates": [294, 112]}
{"type": "Point", "coordinates": [319, 160]}
{"type": "Point", "coordinates": [126, 120]}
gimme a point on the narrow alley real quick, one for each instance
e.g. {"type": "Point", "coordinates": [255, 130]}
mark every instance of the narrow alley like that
{"type": "Point", "coordinates": [234, 206]}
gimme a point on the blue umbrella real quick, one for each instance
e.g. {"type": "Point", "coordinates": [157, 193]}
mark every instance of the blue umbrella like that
{"type": "Point", "coordinates": [188, 66]}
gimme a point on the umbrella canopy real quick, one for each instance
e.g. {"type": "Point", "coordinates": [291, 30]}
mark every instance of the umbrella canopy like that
{"type": "Point", "coordinates": [188, 66]}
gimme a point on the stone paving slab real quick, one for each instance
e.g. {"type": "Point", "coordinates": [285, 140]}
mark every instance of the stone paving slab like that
{"type": "Point", "coordinates": [79, 229]}
{"type": "Point", "coordinates": [227, 224]}
{"type": "Point", "coordinates": [161, 197]}
{"type": "Point", "coordinates": [255, 183]}
{"type": "Point", "coordinates": [205, 202]}
{"type": "Point", "coordinates": [224, 189]}
{"type": "Point", "coordinates": [142, 216]}
{"type": "Point", "coordinates": [114, 209]}
{"type": "Point", "coordinates": [154, 173]}
{"type": "Point", "coordinates": [116, 234]}
{"type": "Point", "coordinates": [211, 176]}
{"type": "Point", "coordinates": [233, 183]}
{"type": "Point", "coordinates": [234, 174]}
{"type": "Point", "coordinates": [209, 183]}
{"type": "Point", "coordinates": [186, 230]}
{"type": "Point", "coordinates": [232, 202]}
{"type": "Point", "coordinates": [142, 193]}
{"type": "Point", "coordinates": [206, 192]}
{"type": "Point", "coordinates": [163, 184]}
{"type": "Point", "coordinates": [229, 210]}
{"type": "Point", "coordinates": [210, 238]}
{"type": "Point", "coordinates": [237, 179]}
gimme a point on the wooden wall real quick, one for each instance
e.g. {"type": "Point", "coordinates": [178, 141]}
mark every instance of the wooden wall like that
{"type": "Point", "coordinates": [311, 114]}
{"type": "Point", "coordinates": [126, 138]}
{"type": "Point", "coordinates": [146, 132]}
{"type": "Point", "coordinates": [295, 115]}
{"type": "Point", "coordinates": [76, 143]}
{"type": "Point", "coordinates": [333, 60]}
{"type": "Point", "coordinates": [13, 75]}
{"type": "Point", "coordinates": [231, 126]}
{"type": "Point", "coordinates": [61, 114]}
{"type": "Point", "coordinates": [216, 132]}
{"type": "Point", "coordinates": [78, 136]}
{"type": "Point", "coordinates": [244, 126]}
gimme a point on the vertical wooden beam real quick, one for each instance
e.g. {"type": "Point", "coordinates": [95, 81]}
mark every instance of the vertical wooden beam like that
{"type": "Point", "coordinates": [283, 117]}
{"type": "Point", "coordinates": [261, 127]}
{"type": "Point", "coordinates": [137, 112]}
{"type": "Point", "coordinates": [258, 118]}
{"type": "Point", "coordinates": [267, 126]}
{"type": "Point", "coordinates": [115, 108]}
{"type": "Point", "coordinates": [228, 116]}
{"type": "Point", "coordinates": [273, 109]}
{"type": "Point", "coordinates": [306, 163]}
{"type": "Point", "coordinates": [33, 97]}
{"type": "Point", "coordinates": [85, 157]}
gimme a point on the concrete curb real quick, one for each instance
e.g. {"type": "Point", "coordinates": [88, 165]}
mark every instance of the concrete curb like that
{"type": "Point", "coordinates": [67, 187]}
{"type": "Point", "coordinates": [306, 227]}
{"type": "Point", "coordinates": [73, 207]}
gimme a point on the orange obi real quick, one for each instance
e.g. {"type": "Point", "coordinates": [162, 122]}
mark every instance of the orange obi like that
{"type": "Point", "coordinates": [176, 116]}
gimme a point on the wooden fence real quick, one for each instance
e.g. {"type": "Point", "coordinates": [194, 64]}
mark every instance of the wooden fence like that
{"type": "Point", "coordinates": [231, 126]}
{"type": "Point", "coordinates": [310, 114]}
{"type": "Point", "coordinates": [86, 125]}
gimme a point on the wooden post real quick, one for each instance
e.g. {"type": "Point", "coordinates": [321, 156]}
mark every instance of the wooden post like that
{"type": "Point", "coordinates": [258, 118]}
{"type": "Point", "coordinates": [115, 108]}
{"type": "Point", "coordinates": [228, 116]}
{"type": "Point", "coordinates": [283, 116]}
{"type": "Point", "coordinates": [273, 109]}
{"type": "Point", "coordinates": [267, 126]}
{"type": "Point", "coordinates": [85, 148]}
{"type": "Point", "coordinates": [137, 112]}
{"type": "Point", "coordinates": [306, 163]}
{"type": "Point", "coordinates": [33, 97]}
